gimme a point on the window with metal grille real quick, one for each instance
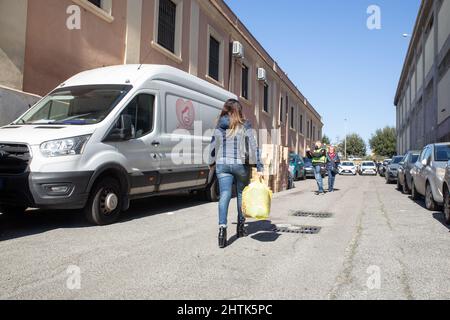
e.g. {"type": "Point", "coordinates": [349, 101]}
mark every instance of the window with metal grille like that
{"type": "Point", "coordinates": [97, 3]}
{"type": "Point", "coordinates": [167, 24]}
{"type": "Point", "coordinates": [244, 82]}
{"type": "Point", "coordinates": [266, 97]}
{"type": "Point", "coordinates": [281, 110]}
{"type": "Point", "coordinates": [214, 58]}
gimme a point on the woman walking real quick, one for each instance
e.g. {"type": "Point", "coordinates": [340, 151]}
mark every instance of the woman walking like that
{"type": "Point", "coordinates": [233, 150]}
{"type": "Point", "coordinates": [332, 167]}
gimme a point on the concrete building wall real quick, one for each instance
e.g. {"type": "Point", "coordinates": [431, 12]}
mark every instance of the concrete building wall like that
{"type": "Point", "coordinates": [423, 99]}
{"type": "Point", "coordinates": [55, 53]}
{"type": "Point", "coordinates": [13, 103]}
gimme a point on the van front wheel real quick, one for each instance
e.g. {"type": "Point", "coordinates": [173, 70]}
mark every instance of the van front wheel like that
{"type": "Point", "coordinates": [105, 202]}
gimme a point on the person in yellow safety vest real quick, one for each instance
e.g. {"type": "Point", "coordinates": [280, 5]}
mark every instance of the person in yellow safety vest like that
{"type": "Point", "coordinates": [319, 161]}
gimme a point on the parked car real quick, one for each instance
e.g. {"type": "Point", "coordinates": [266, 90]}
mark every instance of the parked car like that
{"type": "Point", "coordinates": [309, 169]}
{"type": "Point", "coordinates": [347, 167]}
{"type": "Point", "coordinates": [382, 168]}
{"type": "Point", "coordinates": [446, 194]}
{"type": "Point", "coordinates": [392, 169]}
{"type": "Point", "coordinates": [297, 167]}
{"type": "Point", "coordinates": [368, 167]}
{"type": "Point", "coordinates": [404, 171]}
{"type": "Point", "coordinates": [107, 136]}
{"type": "Point", "coordinates": [428, 174]}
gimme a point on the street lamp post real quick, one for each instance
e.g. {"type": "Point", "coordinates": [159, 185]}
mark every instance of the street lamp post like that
{"type": "Point", "coordinates": [345, 143]}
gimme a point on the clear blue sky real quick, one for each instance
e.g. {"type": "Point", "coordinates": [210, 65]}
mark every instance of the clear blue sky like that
{"type": "Point", "coordinates": [343, 68]}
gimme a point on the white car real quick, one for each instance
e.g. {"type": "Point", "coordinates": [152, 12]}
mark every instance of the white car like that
{"type": "Point", "coordinates": [347, 167]}
{"type": "Point", "coordinates": [368, 167]}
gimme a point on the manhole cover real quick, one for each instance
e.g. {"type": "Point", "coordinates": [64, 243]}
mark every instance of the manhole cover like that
{"type": "Point", "coordinates": [322, 215]}
{"type": "Point", "coordinates": [298, 229]}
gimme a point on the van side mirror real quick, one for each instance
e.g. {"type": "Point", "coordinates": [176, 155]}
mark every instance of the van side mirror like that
{"type": "Point", "coordinates": [123, 131]}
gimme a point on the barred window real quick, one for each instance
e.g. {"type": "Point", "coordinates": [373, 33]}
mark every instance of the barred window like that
{"type": "Point", "coordinates": [167, 24]}
{"type": "Point", "coordinates": [266, 97]}
{"type": "Point", "coordinates": [214, 58]}
{"type": "Point", "coordinates": [244, 93]}
{"type": "Point", "coordinates": [281, 110]}
{"type": "Point", "coordinates": [97, 3]}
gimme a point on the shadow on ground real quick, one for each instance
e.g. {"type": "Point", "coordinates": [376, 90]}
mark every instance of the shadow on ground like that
{"type": "Point", "coordinates": [41, 221]}
{"type": "Point", "coordinates": [439, 216]}
{"type": "Point", "coordinates": [262, 231]}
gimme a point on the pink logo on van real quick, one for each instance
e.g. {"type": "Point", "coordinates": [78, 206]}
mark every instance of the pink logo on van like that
{"type": "Point", "coordinates": [185, 114]}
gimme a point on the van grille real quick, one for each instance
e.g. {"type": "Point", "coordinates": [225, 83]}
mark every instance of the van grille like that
{"type": "Point", "coordinates": [14, 158]}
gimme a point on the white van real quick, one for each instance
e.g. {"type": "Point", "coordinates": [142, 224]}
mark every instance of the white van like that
{"type": "Point", "coordinates": [108, 136]}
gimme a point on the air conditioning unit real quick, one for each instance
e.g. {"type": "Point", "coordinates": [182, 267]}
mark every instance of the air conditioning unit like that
{"type": "Point", "coordinates": [262, 74]}
{"type": "Point", "coordinates": [238, 50]}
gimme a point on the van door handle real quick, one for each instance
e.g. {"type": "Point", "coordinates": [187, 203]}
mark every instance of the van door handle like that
{"type": "Point", "coordinates": [156, 143]}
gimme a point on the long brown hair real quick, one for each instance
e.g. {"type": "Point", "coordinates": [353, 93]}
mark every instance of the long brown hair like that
{"type": "Point", "coordinates": [233, 109]}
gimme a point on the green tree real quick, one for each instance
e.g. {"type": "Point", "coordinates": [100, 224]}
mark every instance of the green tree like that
{"type": "Point", "coordinates": [326, 140]}
{"type": "Point", "coordinates": [355, 146]}
{"type": "Point", "coordinates": [384, 142]}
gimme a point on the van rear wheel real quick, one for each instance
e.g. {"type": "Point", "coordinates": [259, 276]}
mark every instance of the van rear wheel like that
{"type": "Point", "coordinates": [105, 202]}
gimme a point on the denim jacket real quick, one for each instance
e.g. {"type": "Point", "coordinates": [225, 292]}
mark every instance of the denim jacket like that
{"type": "Point", "coordinates": [227, 149]}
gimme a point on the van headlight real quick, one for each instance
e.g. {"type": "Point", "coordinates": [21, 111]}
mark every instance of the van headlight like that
{"type": "Point", "coordinates": [64, 147]}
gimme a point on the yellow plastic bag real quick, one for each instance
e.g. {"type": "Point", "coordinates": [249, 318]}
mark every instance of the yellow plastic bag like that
{"type": "Point", "coordinates": [256, 201]}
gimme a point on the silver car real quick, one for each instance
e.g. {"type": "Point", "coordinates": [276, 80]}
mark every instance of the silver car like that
{"type": "Point", "coordinates": [428, 174]}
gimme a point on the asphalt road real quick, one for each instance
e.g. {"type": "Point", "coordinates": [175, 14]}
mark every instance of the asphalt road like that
{"type": "Point", "coordinates": [378, 244]}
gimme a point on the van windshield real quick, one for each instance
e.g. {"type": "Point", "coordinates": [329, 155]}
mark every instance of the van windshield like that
{"type": "Point", "coordinates": [75, 105]}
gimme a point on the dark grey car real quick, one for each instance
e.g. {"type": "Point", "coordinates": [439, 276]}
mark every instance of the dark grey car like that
{"type": "Point", "coordinates": [392, 169]}
{"type": "Point", "coordinates": [404, 171]}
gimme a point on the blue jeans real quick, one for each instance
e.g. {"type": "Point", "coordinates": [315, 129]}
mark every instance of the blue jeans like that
{"type": "Point", "coordinates": [227, 174]}
{"type": "Point", "coordinates": [318, 175]}
{"type": "Point", "coordinates": [331, 179]}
